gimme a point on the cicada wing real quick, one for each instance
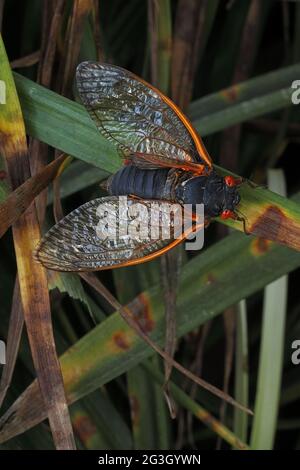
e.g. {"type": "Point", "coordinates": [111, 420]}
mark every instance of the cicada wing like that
{"type": "Point", "coordinates": [112, 232]}
{"type": "Point", "coordinates": [142, 122]}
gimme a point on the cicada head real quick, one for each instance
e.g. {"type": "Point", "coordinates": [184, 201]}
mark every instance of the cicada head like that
{"type": "Point", "coordinates": [221, 196]}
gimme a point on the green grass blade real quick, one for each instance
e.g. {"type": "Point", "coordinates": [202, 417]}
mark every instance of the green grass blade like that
{"type": "Point", "coordinates": [271, 352]}
{"type": "Point", "coordinates": [198, 411]}
{"type": "Point", "coordinates": [149, 427]}
{"type": "Point", "coordinates": [77, 176]}
{"type": "Point", "coordinates": [241, 374]}
{"type": "Point", "coordinates": [244, 111]}
{"type": "Point", "coordinates": [163, 437]}
{"type": "Point", "coordinates": [244, 92]}
{"type": "Point", "coordinates": [142, 405]}
{"type": "Point", "coordinates": [64, 124]}
{"type": "Point", "coordinates": [110, 424]}
{"type": "Point", "coordinates": [70, 283]}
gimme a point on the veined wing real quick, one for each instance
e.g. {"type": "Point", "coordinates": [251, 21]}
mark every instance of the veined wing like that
{"type": "Point", "coordinates": [141, 121]}
{"type": "Point", "coordinates": [112, 232]}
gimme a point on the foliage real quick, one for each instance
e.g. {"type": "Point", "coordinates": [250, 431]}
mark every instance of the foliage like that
{"type": "Point", "coordinates": [236, 317]}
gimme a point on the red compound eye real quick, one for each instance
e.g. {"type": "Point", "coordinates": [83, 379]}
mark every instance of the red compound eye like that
{"type": "Point", "coordinates": [230, 180]}
{"type": "Point", "coordinates": [227, 214]}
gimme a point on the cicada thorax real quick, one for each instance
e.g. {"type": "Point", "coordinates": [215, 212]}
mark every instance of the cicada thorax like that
{"type": "Point", "coordinates": [214, 191]}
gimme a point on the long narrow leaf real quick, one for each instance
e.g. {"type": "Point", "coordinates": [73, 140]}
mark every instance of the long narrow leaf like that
{"type": "Point", "coordinates": [32, 277]}
{"type": "Point", "coordinates": [271, 352]}
{"type": "Point", "coordinates": [241, 371]}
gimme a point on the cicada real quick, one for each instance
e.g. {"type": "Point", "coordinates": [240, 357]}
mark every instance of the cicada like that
{"type": "Point", "coordinates": [165, 161]}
